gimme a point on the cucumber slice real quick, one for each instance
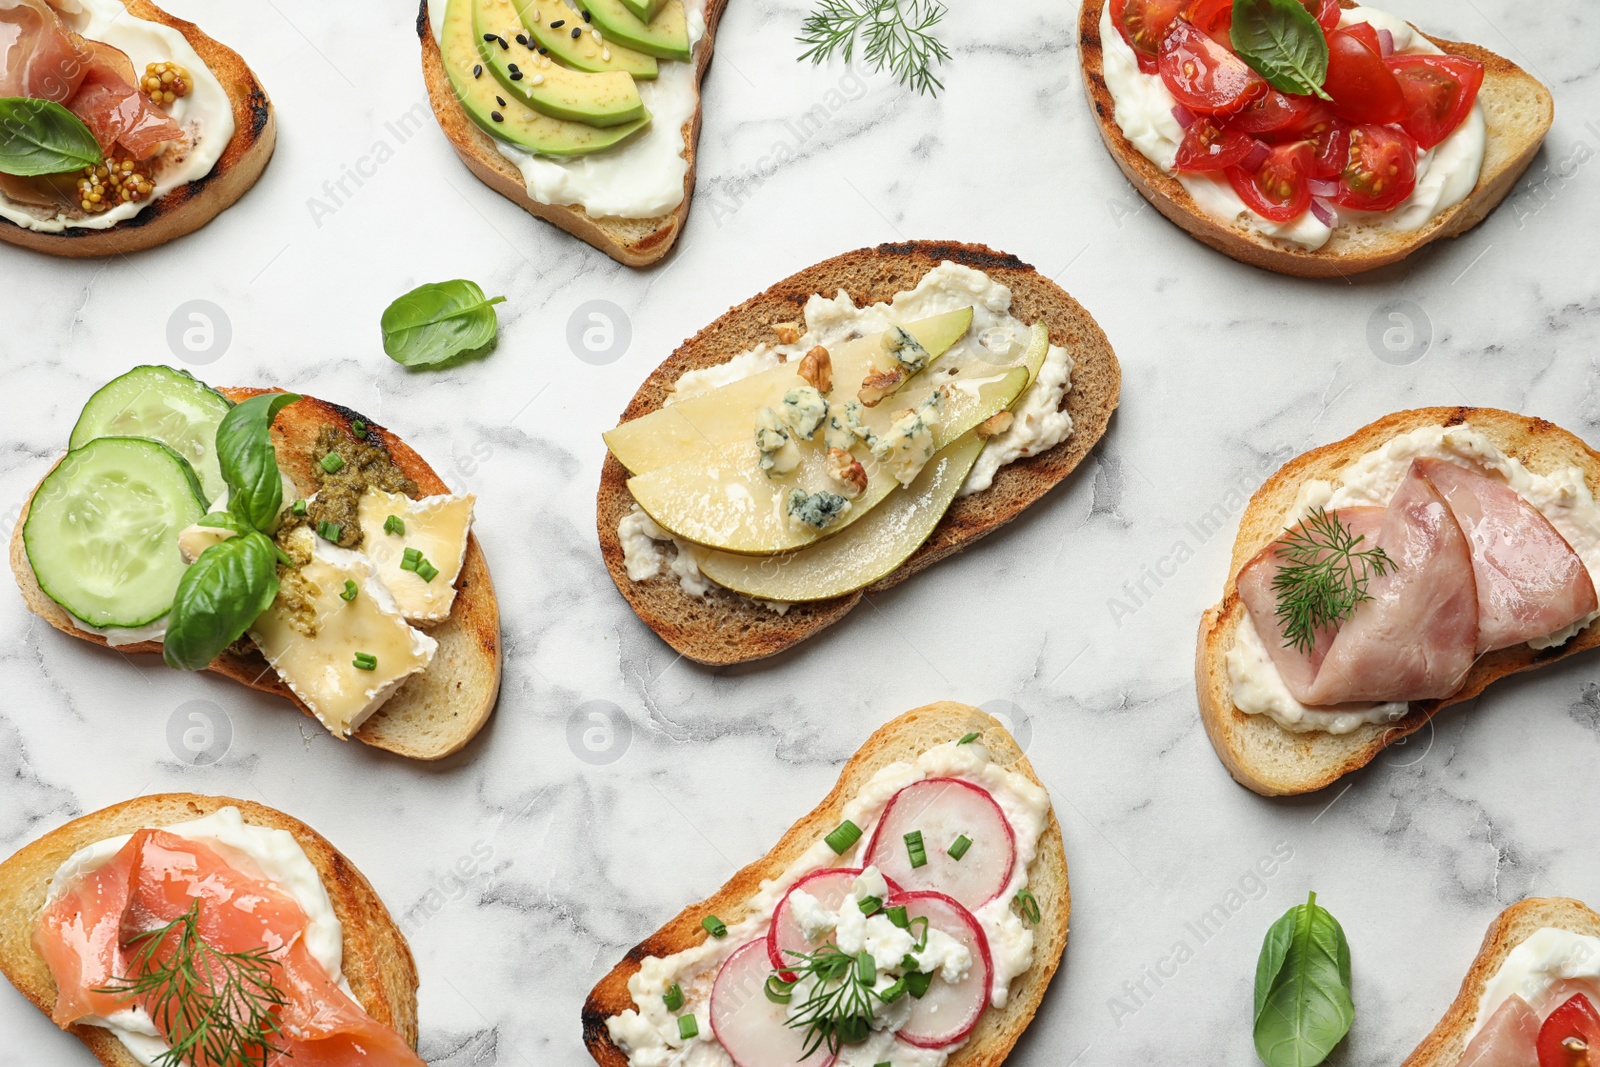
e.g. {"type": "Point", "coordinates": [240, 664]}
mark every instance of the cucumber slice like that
{"type": "Point", "coordinates": [102, 530]}
{"type": "Point", "coordinates": [164, 405]}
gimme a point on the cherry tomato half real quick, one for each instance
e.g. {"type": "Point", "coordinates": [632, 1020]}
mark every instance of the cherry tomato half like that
{"type": "Point", "coordinates": [1571, 1035]}
{"type": "Point", "coordinates": [1329, 136]}
{"type": "Point", "coordinates": [1214, 18]}
{"type": "Point", "coordinates": [1273, 110]}
{"type": "Point", "coordinates": [1326, 11]}
{"type": "Point", "coordinates": [1279, 190]}
{"type": "Point", "coordinates": [1202, 75]}
{"type": "Point", "coordinates": [1144, 24]}
{"type": "Point", "coordinates": [1439, 92]}
{"type": "Point", "coordinates": [1209, 145]}
{"type": "Point", "coordinates": [1362, 86]}
{"type": "Point", "coordinates": [1380, 169]}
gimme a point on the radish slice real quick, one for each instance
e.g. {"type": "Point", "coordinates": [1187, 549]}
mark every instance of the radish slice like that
{"type": "Point", "coordinates": [752, 1029]}
{"type": "Point", "coordinates": [784, 937]}
{"type": "Point", "coordinates": [944, 809]}
{"type": "Point", "coordinates": [948, 1012]}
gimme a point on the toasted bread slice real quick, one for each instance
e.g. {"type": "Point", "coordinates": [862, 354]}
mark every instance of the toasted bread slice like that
{"type": "Point", "coordinates": [435, 713]}
{"type": "Point", "coordinates": [1444, 1046]}
{"type": "Point", "coordinates": [903, 739]}
{"type": "Point", "coordinates": [632, 242]}
{"type": "Point", "coordinates": [377, 960]}
{"type": "Point", "coordinates": [188, 207]}
{"type": "Point", "coordinates": [727, 628]}
{"type": "Point", "coordinates": [1519, 110]}
{"type": "Point", "coordinates": [1273, 761]}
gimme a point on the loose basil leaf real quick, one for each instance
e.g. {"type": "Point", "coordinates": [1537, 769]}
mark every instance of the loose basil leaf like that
{"type": "Point", "coordinates": [249, 465]}
{"type": "Point", "coordinates": [42, 137]}
{"type": "Point", "coordinates": [1282, 41]}
{"type": "Point", "coordinates": [1303, 1005]}
{"type": "Point", "coordinates": [218, 597]}
{"type": "Point", "coordinates": [436, 322]}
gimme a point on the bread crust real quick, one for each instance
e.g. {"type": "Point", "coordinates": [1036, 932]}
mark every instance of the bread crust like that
{"type": "Point", "coordinates": [631, 242]}
{"type": "Point", "coordinates": [1506, 88]}
{"type": "Point", "coordinates": [377, 960]}
{"type": "Point", "coordinates": [904, 738]}
{"type": "Point", "coordinates": [188, 207]}
{"type": "Point", "coordinates": [730, 629]}
{"type": "Point", "coordinates": [434, 714]}
{"type": "Point", "coordinates": [1444, 1046]}
{"type": "Point", "coordinates": [1272, 761]}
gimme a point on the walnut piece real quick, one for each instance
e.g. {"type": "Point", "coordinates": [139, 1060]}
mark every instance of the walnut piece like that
{"type": "Point", "coordinates": [847, 470]}
{"type": "Point", "coordinates": [817, 369]}
{"type": "Point", "coordinates": [788, 332]}
{"type": "Point", "coordinates": [879, 384]}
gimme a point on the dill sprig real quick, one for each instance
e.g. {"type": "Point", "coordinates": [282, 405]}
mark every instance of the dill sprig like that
{"type": "Point", "coordinates": [1323, 578]}
{"type": "Point", "coordinates": [897, 34]}
{"type": "Point", "coordinates": [217, 1009]}
{"type": "Point", "coordinates": [837, 1010]}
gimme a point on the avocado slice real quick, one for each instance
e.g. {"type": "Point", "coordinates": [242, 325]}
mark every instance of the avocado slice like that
{"type": "Point", "coordinates": [666, 36]}
{"type": "Point", "coordinates": [608, 99]}
{"type": "Point", "coordinates": [645, 10]}
{"type": "Point", "coordinates": [584, 52]}
{"type": "Point", "coordinates": [483, 99]}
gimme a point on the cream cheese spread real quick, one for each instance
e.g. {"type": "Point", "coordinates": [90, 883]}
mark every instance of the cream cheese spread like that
{"type": "Point", "coordinates": [649, 1033]}
{"type": "Point", "coordinates": [1039, 423]}
{"type": "Point", "coordinates": [641, 178]}
{"type": "Point", "coordinates": [1534, 969]}
{"type": "Point", "coordinates": [206, 114]}
{"type": "Point", "coordinates": [279, 857]}
{"type": "Point", "coordinates": [1446, 173]}
{"type": "Point", "coordinates": [1561, 496]}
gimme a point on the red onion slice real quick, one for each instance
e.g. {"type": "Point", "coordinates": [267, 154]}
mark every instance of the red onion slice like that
{"type": "Point", "coordinates": [1326, 188]}
{"type": "Point", "coordinates": [1386, 43]}
{"type": "Point", "coordinates": [1325, 213]}
{"type": "Point", "coordinates": [1258, 155]}
{"type": "Point", "coordinates": [1184, 116]}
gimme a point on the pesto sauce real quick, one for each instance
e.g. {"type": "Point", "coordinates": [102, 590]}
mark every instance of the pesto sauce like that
{"type": "Point", "coordinates": [367, 465]}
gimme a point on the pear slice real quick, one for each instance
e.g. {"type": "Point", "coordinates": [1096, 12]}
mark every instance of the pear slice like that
{"type": "Point", "coordinates": [869, 550]}
{"type": "Point", "coordinates": [720, 497]}
{"type": "Point", "coordinates": [725, 415]}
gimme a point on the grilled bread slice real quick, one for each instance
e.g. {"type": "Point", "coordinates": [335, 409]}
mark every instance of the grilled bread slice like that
{"type": "Point", "coordinates": [1444, 1046]}
{"type": "Point", "coordinates": [1519, 110]}
{"type": "Point", "coordinates": [377, 960]}
{"type": "Point", "coordinates": [188, 207]}
{"type": "Point", "coordinates": [632, 242]}
{"type": "Point", "coordinates": [435, 713]}
{"type": "Point", "coordinates": [725, 628]}
{"type": "Point", "coordinates": [1273, 761]}
{"type": "Point", "coordinates": [903, 739]}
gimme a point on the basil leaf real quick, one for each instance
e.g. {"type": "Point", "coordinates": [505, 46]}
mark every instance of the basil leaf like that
{"type": "Point", "coordinates": [1303, 1005]}
{"type": "Point", "coordinates": [249, 465]}
{"type": "Point", "coordinates": [42, 137]}
{"type": "Point", "coordinates": [1282, 41]}
{"type": "Point", "coordinates": [224, 520]}
{"type": "Point", "coordinates": [434, 323]}
{"type": "Point", "coordinates": [218, 597]}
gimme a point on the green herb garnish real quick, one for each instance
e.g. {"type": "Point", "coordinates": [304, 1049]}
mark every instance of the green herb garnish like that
{"type": "Point", "coordinates": [333, 463]}
{"type": "Point", "coordinates": [840, 840]}
{"type": "Point", "coordinates": [959, 846]}
{"type": "Point", "coordinates": [916, 851]}
{"type": "Point", "coordinates": [40, 137]}
{"type": "Point", "coordinates": [714, 926]}
{"type": "Point", "coordinates": [673, 997]}
{"type": "Point", "coordinates": [967, 739]}
{"type": "Point", "coordinates": [394, 525]}
{"type": "Point", "coordinates": [1282, 41]}
{"type": "Point", "coordinates": [1323, 578]}
{"type": "Point", "coordinates": [837, 1010]}
{"type": "Point", "coordinates": [365, 661]}
{"type": "Point", "coordinates": [1028, 905]}
{"type": "Point", "coordinates": [1303, 1006]}
{"type": "Point", "coordinates": [897, 34]}
{"type": "Point", "coordinates": [350, 591]}
{"type": "Point", "coordinates": [434, 323]}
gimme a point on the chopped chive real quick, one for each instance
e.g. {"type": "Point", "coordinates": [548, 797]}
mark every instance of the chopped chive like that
{"type": "Point", "coordinates": [897, 916]}
{"type": "Point", "coordinates": [714, 926]}
{"type": "Point", "coordinates": [969, 738]}
{"type": "Point", "coordinates": [886, 1063]}
{"type": "Point", "coordinates": [332, 463]}
{"type": "Point", "coordinates": [870, 905]}
{"type": "Point", "coordinates": [922, 938]}
{"type": "Point", "coordinates": [329, 531]}
{"type": "Point", "coordinates": [687, 1027]}
{"type": "Point", "coordinates": [411, 559]}
{"type": "Point", "coordinates": [909, 963]}
{"type": "Point", "coordinates": [427, 571]}
{"type": "Point", "coordinates": [917, 983]}
{"type": "Point", "coordinates": [847, 834]}
{"type": "Point", "coordinates": [866, 968]}
{"type": "Point", "coordinates": [359, 428]}
{"type": "Point", "coordinates": [916, 850]}
{"type": "Point", "coordinates": [893, 992]}
{"type": "Point", "coordinates": [673, 997]}
{"type": "Point", "coordinates": [365, 661]}
{"type": "Point", "coordinates": [1028, 904]}
{"type": "Point", "coordinates": [959, 846]}
{"type": "Point", "coordinates": [778, 991]}
{"type": "Point", "coordinates": [394, 525]}
{"type": "Point", "coordinates": [350, 591]}
{"type": "Point", "coordinates": [298, 507]}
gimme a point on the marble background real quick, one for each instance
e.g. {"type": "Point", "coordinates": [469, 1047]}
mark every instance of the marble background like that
{"type": "Point", "coordinates": [524, 867]}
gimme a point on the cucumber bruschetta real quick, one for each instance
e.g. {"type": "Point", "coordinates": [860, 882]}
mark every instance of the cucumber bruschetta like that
{"type": "Point", "coordinates": [278, 540]}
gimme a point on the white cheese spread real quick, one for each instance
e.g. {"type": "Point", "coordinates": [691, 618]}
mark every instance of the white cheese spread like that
{"type": "Point", "coordinates": [283, 862]}
{"type": "Point", "coordinates": [1446, 173]}
{"type": "Point", "coordinates": [206, 114]}
{"type": "Point", "coordinates": [641, 178]}
{"type": "Point", "coordinates": [1561, 496]}
{"type": "Point", "coordinates": [649, 1034]}
{"type": "Point", "coordinates": [1536, 967]}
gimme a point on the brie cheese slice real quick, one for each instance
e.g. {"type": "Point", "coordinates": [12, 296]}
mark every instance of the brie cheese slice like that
{"type": "Point", "coordinates": [435, 526]}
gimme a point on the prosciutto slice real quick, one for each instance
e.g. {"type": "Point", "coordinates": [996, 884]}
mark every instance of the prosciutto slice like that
{"type": "Point", "coordinates": [1530, 581]}
{"type": "Point", "coordinates": [39, 57]}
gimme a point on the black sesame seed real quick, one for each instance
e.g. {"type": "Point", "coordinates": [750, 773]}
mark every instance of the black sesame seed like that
{"type": "Point", "coordinates": [522, 39]}
{"type": "Point", "coordinates": [586, 17]}
{"type": "Point", "coordinates": [497, 116]}
{"type": "Point", "coordinates": [544, 51]}
{"type": "Point", "coordinates": [488, 37]}
{"type": "Point", "coordinates": [500, 100]}
{"type": "Point", "coordinates": [512, 67]}
{"type": "Point", "coordinates": [477, 71]}
{"type": "Point", "coordinates": [558, 23]}
{"type": "Point", "coordinates": [505, 46]}
{"type": "Point", "coordinates": [576, 32]}
{"type": "Point", "coordinates": [516, 75]}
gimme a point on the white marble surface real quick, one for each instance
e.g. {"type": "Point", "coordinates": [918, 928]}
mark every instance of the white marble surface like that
{"type": "Point", "coordinates": [1226, 369]}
